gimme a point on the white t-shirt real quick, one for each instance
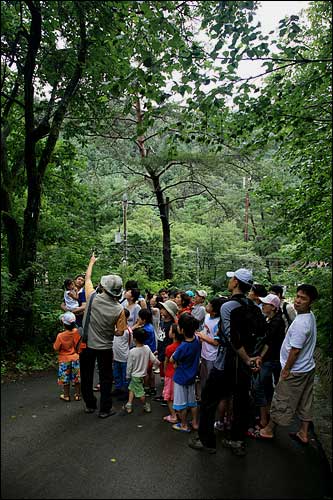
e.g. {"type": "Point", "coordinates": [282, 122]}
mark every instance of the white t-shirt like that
{"type": "Point", "coordinates": [302, 334]}
{"type": "Point", "coordinates": [70, 302]}
{"type": "Point", "coordinates": [121, 347]}
{"type": "Point", "coordinates": [209, 351]}
{"type": "Point", "coordinates": [137, 362]}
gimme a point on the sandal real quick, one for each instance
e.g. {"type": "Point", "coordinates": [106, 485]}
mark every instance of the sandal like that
{"type": "Point", "coordinates": [171, 420]}
{"type": "Point", "coordinates": [178, 427]}
{"type": "Point", "coordinates": [128, 408]}
{"type": "Point", "coordinates": [65, 398]}
{"type": "Point", "coordinates": [77, 397]}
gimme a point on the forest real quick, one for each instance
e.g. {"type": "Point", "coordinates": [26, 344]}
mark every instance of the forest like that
{"type": "Point", "coordinates": [127, 130]}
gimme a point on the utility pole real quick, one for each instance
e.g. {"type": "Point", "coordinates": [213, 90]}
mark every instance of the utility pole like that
{"type": "Point", "coordinates": [198, 267]}
{"type": "Point", "coordinates": [125, 204]}
{"type": "Point", "coordinates": [247, 204]}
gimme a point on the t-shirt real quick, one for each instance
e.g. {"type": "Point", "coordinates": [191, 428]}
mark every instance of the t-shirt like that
{"type": "Point", "coordinates": [121, 347]}
{"type": "Point", "coordinates": [65, 345]}
{"type": "Point", "coordinates": [209, 351]}
{"type": "Point", "coordinates": [137, 362]}
{"type": "Point", "coordinates": [199, 312]}
{"type": "Point", "coordinates": [70, 302]}
{"type": "Point", "coordinates": [302, 334]}
{"type": "Point", "coordinates": [170, 369]}
{"type": "Point", "coordinates": [151, 340]}
{"type": "Point", "coordinates": [134, 311]}
{"type": "Point", "coordinates": [187, 357]}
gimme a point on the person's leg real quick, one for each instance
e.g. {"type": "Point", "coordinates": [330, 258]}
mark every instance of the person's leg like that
{"type": "Point", "coordinates": [87, 367]}
{"type": "Point", "coordinates": [241, 406]}
{"type": "Point", "coordinates": [104, 360]}
{"type": "Point", "coordinates": [213, 392]}
{"type": "Point", "coordinates": [117, 375]}
{"type": "Point", "coordinates": [66, 388]}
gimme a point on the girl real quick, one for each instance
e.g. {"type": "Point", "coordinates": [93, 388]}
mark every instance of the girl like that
{"type": "Point", "coordinates": [169, 371]}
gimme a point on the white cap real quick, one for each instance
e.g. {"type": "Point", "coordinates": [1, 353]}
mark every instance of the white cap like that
{"type": "Point", "coordinates": [271, 299]}
{"type": "Point", "coordinates": [68, 318]}
{"type": "Point", "coordinates": [243, 275]}
{"type": "Point", "coordinates": [201, 293]}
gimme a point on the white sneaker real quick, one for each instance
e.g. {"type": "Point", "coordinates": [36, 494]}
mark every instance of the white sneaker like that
{"type": "Point", "coordinates": [147, 408]}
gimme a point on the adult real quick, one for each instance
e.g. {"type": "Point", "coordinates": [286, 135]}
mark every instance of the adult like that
{"type": "Point", "coordinates": [131, 304]}
{"type": "Point", "coordinates": [198, 308]}
{"type": "Point", "coordinates": [263, 388]}
{"type": "Point", "coordinates": [164, 294]}
{"type": "Point", "coordinates": [107, 319]}
{"type": "Point", "coordinates": [183, 302]}
{"type": "Point", "coordinates": [288, 310]}
{"type": "Point", "coordinates": [293, 394]}
{"type": "Point", "coordinates": [129, 285]}
{"type": "Point", "coordinates": [79, 281]}
{"type": "Point", "coordinates": [256, 292]}
{"type": "Point", "coordinates": [229, 375]}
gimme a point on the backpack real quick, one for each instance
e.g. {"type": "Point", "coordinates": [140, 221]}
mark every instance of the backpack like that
{"type": "Point", "coordinates": [255, 324]}
{"type": "Point", "coordinates": [285, 313]}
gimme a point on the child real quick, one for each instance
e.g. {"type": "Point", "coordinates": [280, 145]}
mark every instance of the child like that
{"type": "Point", "coordinates": [186, 359]}
{"type": "Point", "coordinates": [145, 321]}
{"type": "Point", "coordinates": [71, 296]}
{"type": "Point", "coordinates": [137, 365]}
{"type": "Point", "coordinates": [69, 364]}
{"type": "Point", "coordinates": [121, 348]}
{"type": "Point", "coordinates": [169, 371]}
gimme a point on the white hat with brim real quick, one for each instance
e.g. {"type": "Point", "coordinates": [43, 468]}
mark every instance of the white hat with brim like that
{"type": "Point", "coordinates": [243, 275]}
{"type": "Point", "coordinates": [68, 318]}
{"type": "Point", "coordinates": [271, 299]}
{"type": "Point", "coordinates": [171, 307]}
{"type": "Point", "coordinates": [201, 293]}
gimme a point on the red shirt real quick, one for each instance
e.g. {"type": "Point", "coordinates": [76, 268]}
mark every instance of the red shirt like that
{"type": "Point", "coordinates": [170, 369]}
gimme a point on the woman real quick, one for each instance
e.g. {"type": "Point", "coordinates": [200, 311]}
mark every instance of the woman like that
{"type": "Point", "coordinates": [270, 357]}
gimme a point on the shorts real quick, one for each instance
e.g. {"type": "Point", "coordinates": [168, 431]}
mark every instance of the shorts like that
{"type": "Point", "coordinates": [293, 396]}
{"type": "Point", "coordinates": [69, 371]}
{"type": "Point", "coordinates": [184, 397]}
{"type": "Point", "coordinates": [168, 390]}
{"type": "Point", "coordinates": [136, 386]}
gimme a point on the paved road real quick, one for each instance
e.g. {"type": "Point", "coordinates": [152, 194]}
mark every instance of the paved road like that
{"type": "Point", "coordinates": [52, 449]}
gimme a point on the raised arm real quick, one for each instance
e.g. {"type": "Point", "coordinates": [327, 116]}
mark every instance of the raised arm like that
{"type": "Point", "coordinates": [88, 286]}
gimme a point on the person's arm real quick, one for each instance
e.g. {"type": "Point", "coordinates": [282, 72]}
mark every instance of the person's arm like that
{"type": "Point", "coordinates": [121, 324]}
{"type": "Point", "coordinates": [206, 338]}
{"type": "Point", "coordinates": [88, 286]}
{"type": "Point", "coordinates": [292, 356]}
{"type": "Point", "coordinates": [63, 306]}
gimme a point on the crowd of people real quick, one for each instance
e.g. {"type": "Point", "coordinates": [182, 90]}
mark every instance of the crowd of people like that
{"type": "Point", "coordinates": [241, 363]}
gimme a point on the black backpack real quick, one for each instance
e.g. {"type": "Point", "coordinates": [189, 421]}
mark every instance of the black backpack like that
{"type": "Point", "coordinates": [255, 324]}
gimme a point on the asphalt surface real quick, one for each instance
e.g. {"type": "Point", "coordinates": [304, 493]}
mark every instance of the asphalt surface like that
{"type": "Point", "coordinates": [52, 449]}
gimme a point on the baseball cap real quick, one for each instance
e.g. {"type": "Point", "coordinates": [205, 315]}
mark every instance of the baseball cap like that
{"type": "Point", "coordinates": [171, 307]}
{"type": "Point", "coordinates": [68, 318]}
{"type": "Point", "coordinates": [112, 284]}
{"type": "Point", "coordinates": [189, 293]}
{"type": "Point", "coordinates": [242, 274]}
{"type": "Point", "coordinates": [271, 299]}
{"type": "Point", "coordinates": [201, 293]}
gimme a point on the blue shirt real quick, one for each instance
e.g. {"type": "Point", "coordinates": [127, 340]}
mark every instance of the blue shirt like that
{"type": "Point", "coordinates": [187, 356]}
{"type": "Point", "coordinates": [151, 340]}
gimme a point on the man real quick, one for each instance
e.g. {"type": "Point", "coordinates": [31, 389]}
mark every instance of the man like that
{"type": "Point", "coordinates": [257, 291]}
{"type": "Point", "coordinates": [198, 309]}
{"type": "Point", "coordinates": [293, 394]}
{"type": "Point", "coordinates": [107, 318]}
{"type": "Point", "coordinates": [229, 376]}
{"type": "Point", "coordinates": [79, 285]}
{"type": "Point", "coordinates": [288, 310]}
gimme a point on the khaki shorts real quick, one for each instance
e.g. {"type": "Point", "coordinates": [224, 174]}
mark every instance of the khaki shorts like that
{"type": "Point", "coordinates": [293, 396]}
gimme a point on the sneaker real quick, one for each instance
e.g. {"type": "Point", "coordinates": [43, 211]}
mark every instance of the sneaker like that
{"type": "Point", "coordinates": [106, 414]}
{"type": "Point", "coordinates": [157, 370]}
{"type": "Point", "coordinates": [97, 388]}
{"type": "Point", "coordinates": [89, 410]}
{"type": "Point", "coordinates": [237, 447]}
{"type": "Point", "coordinates": [218, 425]}
{"type": "Point", "coordinates": [196, 444]}
{"type": "Point", "coordinates": [147, 408]}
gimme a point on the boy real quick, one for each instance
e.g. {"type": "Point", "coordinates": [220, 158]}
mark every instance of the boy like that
{"type": "Point", "coordinates": [186, 359]}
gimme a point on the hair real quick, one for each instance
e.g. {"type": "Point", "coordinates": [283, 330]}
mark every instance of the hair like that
{"type": "Point", "coordinates": [80, 276]}
{"type": "Point", "coordinates": [146, 315]}
{"type": "Point", "coordinates": [70, 327]}
{"type": "Point", "coordinates": [310, 290]}
{"type": "Point", "coordinates": [189, 324]}
{"type": "Point", "coordinates": [135, 293]}
{"type": "Point", "coordinates": [131, 284]}
{"type": "Point", "coordinates": [67, 282]}
{"type": "Point", "coordinates": [127, 313]}
{"type": "Point", "coordinates": [140, 335]}
{"type": "Point", "coordinates": [244, 287]}
{"type": "Point", "coordinates": [186, 299]}
{"type": "Point", "coordinates": [173, 292]}
{"type": "Point", "coordinates": [278, 289]}
{"type": "Point", "coordinates": [178, 336]}
{"type": "Point", "coordinates": [216, 304]}
{"type": "Point", "coordinates": [163, 290]}
{"type": "Point", "coordinates": [259, 290]}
